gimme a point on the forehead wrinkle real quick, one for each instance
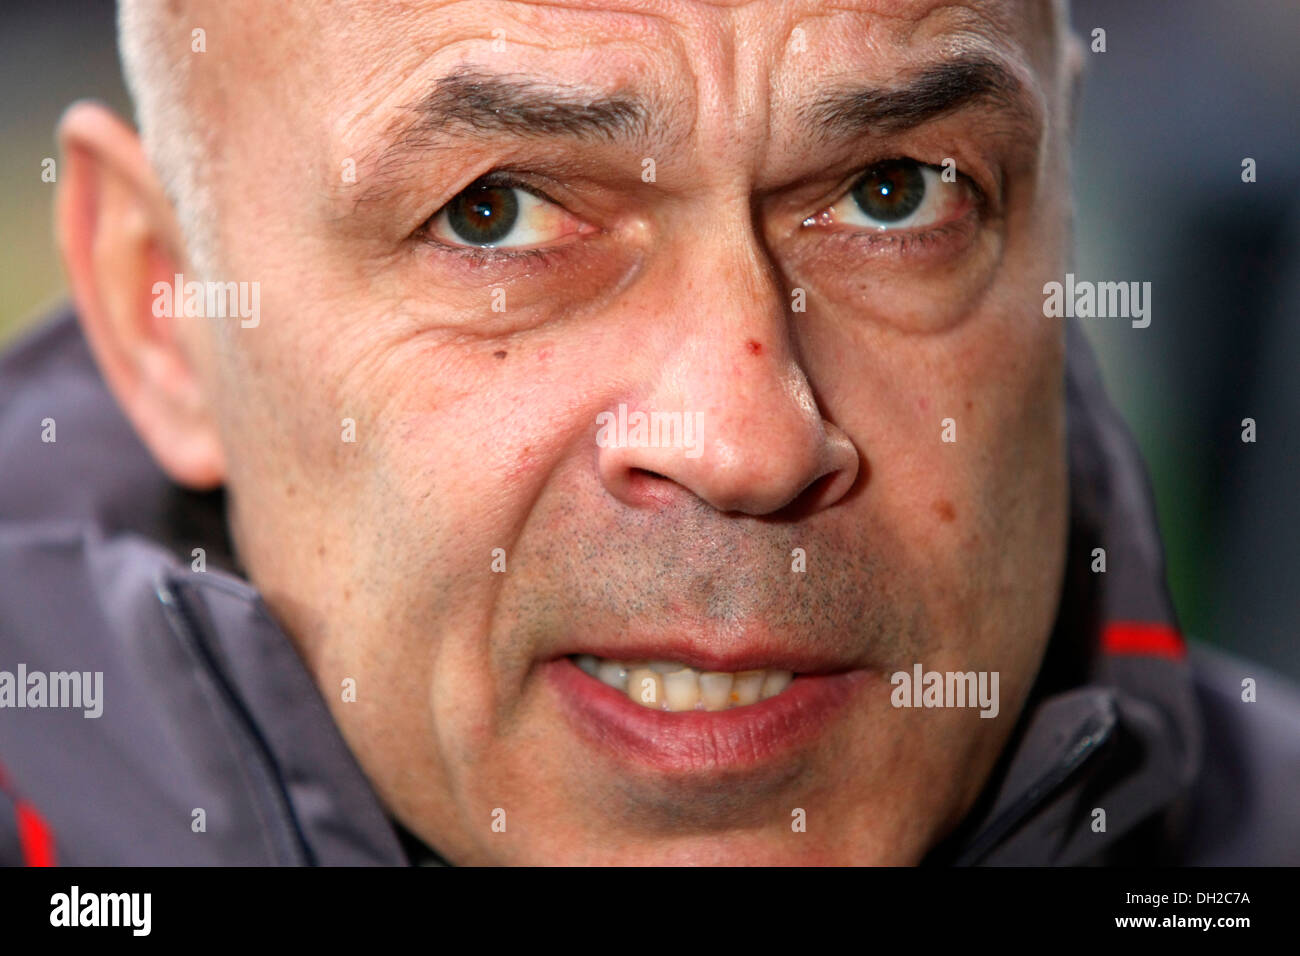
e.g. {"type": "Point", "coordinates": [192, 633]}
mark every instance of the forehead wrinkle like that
{"type": "Point", "coordinates": [435, 29]}
{"type": "Point", "coordinates": [954, 28]}
{"type": "Point", "coordinates": [880, 8]}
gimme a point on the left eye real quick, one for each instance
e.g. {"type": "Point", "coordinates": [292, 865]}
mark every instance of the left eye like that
{"type": "Point", "coordinates": [494, 215]}
{"type": "Point", "coordinates": [895, 195]}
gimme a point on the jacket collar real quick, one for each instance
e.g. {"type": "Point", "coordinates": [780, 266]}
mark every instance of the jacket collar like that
{"type": "Point", "coordinates": [315, 802]}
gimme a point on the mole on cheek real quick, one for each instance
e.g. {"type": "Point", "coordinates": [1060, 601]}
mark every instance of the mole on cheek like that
{"type": "Point", "coordinates": [944, 509]}
{"type": "Point", "coordinates": [501, 354]}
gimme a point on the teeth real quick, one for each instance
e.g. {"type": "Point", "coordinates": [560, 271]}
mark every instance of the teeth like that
{"type": "Point", "coordinates": [774, 682]}
{"type": "Point", "coordinates": [746, 688]}
{"type": "Point", "coordinates": [646, 687]}
{"type": "Point", "coordinates": [715, 690]}
{"type": "Point", "coordinates": [669, 685]}
{"type": "Point", "coordinates": [612, 673]}
{"type": "Point", "coordinates": [682, 689]}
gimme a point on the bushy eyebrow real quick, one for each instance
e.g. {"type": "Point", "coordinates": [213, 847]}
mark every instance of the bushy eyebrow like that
{"type": "Point", "coordinates": [473, 104]}
{"type": "Point", "coordinates": [482, 102]}
{"type": "Point", "coordinates": [925, 95]}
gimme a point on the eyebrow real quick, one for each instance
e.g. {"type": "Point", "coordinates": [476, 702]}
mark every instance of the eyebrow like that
{"type": "Point", "coordinates": [479, 102]}
{"type": "Point", "coordinates": [926, 95]}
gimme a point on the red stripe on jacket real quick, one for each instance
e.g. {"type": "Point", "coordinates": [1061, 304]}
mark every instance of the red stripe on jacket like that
{"type": "Point", "coordinates": [34, 835]}
{"type": "Point", "coordinates": [1143, 638]}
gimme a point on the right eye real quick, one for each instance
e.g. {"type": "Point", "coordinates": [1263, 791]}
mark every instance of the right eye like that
{"type": "Point", "coordinates": [499, 215]}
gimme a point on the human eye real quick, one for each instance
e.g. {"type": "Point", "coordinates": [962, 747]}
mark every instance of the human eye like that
{"type": "Point", "coordinates": [495, 212]}
{"type": "Point", "coordinates": [898, 195]}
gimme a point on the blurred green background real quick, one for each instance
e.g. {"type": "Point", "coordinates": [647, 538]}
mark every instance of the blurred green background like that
{"type": "Point", "coordinates": [1184, 91]}
{"type": "Point", "coordinates": [50, 55]}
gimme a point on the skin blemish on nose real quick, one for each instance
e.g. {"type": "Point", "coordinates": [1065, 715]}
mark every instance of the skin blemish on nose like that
{"type": "Point", "coordinates": [755, 347]}
{"type": "Point", "coordinates": [944, 509]}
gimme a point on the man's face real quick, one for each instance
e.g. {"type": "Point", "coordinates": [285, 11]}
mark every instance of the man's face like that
{"type": "Point", "coordinates": [733, 212]}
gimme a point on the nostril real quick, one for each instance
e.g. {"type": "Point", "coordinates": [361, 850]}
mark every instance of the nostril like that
{"type": "Point", "coordinates": [813, 497]}
{"type": "Point", "coordinates": [816, 497]}
{"type": "Point", "coordinates": [647, 485]}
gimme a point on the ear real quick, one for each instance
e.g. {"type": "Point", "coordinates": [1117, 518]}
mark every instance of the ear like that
{"type": "Point", "coordinates": [118, 235]}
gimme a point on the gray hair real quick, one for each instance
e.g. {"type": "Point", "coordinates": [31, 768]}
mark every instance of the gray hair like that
{"type": "Point", "coordinates": [154, 42]}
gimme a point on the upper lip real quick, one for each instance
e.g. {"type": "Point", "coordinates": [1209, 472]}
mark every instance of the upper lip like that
{"type": "Point", "coordinates": [746, 651]}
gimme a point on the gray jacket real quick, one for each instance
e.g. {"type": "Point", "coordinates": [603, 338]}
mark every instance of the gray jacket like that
{"type": "Point", "coordinates": [215, 747]}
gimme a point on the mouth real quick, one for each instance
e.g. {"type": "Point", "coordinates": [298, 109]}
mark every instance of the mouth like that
{"type": "Point", "coordinates": [675, 687]}
{"type": "Point", "coordinates": [700, 716]}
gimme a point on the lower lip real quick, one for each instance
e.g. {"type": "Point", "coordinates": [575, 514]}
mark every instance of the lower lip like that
{"type": "Point", "coordinates": [697, 740]}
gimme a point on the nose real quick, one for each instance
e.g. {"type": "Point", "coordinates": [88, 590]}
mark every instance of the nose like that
{"type": "Point", "coordinates": [752, 439]}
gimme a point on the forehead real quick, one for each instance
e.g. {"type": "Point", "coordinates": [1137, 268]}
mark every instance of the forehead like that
{"type": "Point", "coordinates": [646, 43]}
{"type": "Point", "coordinates": [639, 16]}
{"type": "Point", "coordinates": [755, 63]}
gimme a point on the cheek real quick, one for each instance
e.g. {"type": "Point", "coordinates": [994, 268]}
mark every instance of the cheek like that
{"type": "Point", "coordinates": [455, 447]}
{"type": "Point", "coordinates": [962, 438]}
{"type": "Point", "coordinates": [469, 437]}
